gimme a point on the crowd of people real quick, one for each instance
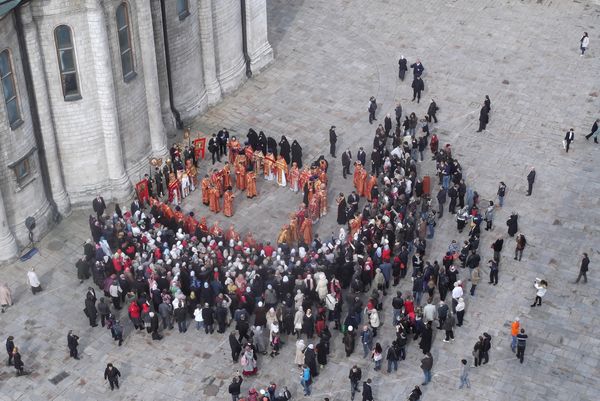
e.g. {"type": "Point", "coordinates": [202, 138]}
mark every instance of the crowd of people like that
{"type": "Point", "coordinates": [164, 266]}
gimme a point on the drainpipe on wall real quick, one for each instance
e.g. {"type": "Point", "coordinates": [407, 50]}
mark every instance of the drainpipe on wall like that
{"type": "Point", "coordinates": [245, 41]}
{"type": "Point", "coordinates": [35, 117]}
{"type": "Point", "coordinates": [175, 112]}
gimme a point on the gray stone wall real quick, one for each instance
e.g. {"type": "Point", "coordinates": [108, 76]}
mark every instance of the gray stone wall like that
{"type": "Point", "coordinates": [77, 123]}
{"type": "Point", "coordinates": [229, 53]}
{"type": "Point", "coordinates": [25, 199]}
{"type": "Point", "coordinates": [189, 93]}
{"type": "Point", "coordinates": [130, 96]}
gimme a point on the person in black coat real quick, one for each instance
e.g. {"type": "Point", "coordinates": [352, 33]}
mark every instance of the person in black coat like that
{"type": "Point", "coordinates": [431, 111]}
{"type": "Point", "coordinates": [361, 156]}
{"type": "Point", "coordinates": [402, 67]}
{"type": "Point", "coordinates": [213, 148]}
{"type": "Point", "coordinates": [418, 86]}
{"type": "Point", "coordinates": [284, 149]}
{"type": "Point", "coordinates": [513, 224]}
{"type": "Point", "coordinates": [372, 109]}
{"type": "Point", "coordinates": [483, 118]}
{"type": "Point", "coordinates": [297, 153]}
{"type": "Point", "coordinates": [346, 162]}
{"type": "Point", "coordinates": [415, 394]}
{"type": "Point", "coordinates": [235, 346]}
{"type": "Point", "coordinates": [569, 137]}
{"type": "Point", "coordinates": [262, 142]}
{"type": "Point", "coordinates": [310, 359]}
{"type": "Point", "coordinates": [417, 68]}
{"type": "Point", "coordinates": [341, 213]}
{"type": "Point", "coordinates": [222, 139]}
{"type": "Point", "coordinates": [387, 124]}
{"type": "Point", "coordinates": [426, 337]}
{"type": "Point", "coordinates": [367, 392]}
{"type": "Point", "coordinates": [208, 316]}
{"type": "Point", "coordinates": [18, 362]}
{"type": "Point", "coordinates": [99, 206]}
{"type": "Point", "coordinates": [234, 387]}
{"type": "Point", "coordinates": [530, 181]}
{"type": "Point", "coordinates": [72, 343]}
{"type": "Point", "coordinates": [90, 310]}
{"type": "Point", "coordinates": [154, 326]}
{"type": "Point", "coordinates": [10, 346]}
{"type": "Point", "coordinates": [272, 146]}
{"type": "Point", "coordinates": [593, 131]}
{"type": "Point", "coordinates": [112, 374]}
{"type": "Point", "coordinates": [453, 195]}
{"type": "Point", "coordinates": [332, 140]}
{"type": "Point", "coordinates": [252, 138]}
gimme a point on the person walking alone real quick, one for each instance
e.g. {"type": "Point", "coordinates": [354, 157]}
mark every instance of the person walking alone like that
{"type": "Point", "coordinates": [34, 281]}
{"type": "Point", "coordinates": [402, 67]}
{"type": "Point", "coordinates": [464, 374]}
{"type": "Point", "coordinates": [372, 109]}
{"type": "Point", "coordinates": [484, 118]}
{"type": "Point", "coordinates": [355, 376]}
{"type": "Point", "coordinates": [112, 374]}
{"type": "Point", "coordinates": [501, 193]}
{"type": "Point", "coordinates": [367, 393]}
{"type": "Point", "coordinates": [426, 366]}
{"type": "Point", "coordinates": [448, 327]}
{"type": "Point", "coordinates": [583, 269]}
{"type": "Point", "coordinates": [332, 140]}
{"type": "Point", "coordinates": [520, 246]}
{"type": "Point", "coordinates": [72, 343]}
{"type": "Point", "coordinates": [306, 380]}
{"type": "Point", "coordinates": [418, 86]}
{"type": "Point", "coordinates": [530, 181]}
{"type": "Point", "coordinates": [569, 137]}
{"type": "Point", "coordinates": [594, 132]}
{"type": "Point", "coordinates": [431, 111]}
{"type": "Point", "coordinates": [10, 346]}
{"type": "Point", "coordinates": [540, 286]}
{"type": "Point", "coordinates": [584, 42]}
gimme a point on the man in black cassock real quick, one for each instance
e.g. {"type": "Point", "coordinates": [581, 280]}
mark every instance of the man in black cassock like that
{"type": "Point", "coordinates": [284, 149]}
{"type": "Point", "coordinates": [272, 146]}
{"type": "Point", "coordinates": [297, 153]}
{"type": "Point", "coordinates": [262, 142]}
{"type": "Point", "coordinates": [252, 138]}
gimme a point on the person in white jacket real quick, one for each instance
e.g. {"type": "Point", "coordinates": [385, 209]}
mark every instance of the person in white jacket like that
{"type": "Point", "coordinates": [540, 286]}
{"type": "Point", "coordinates": [584, 42]}
{"type": "Point", "coordinates": [34, 281]}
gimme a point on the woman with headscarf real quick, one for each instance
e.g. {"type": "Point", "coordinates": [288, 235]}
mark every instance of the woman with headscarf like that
{"type": "Point", "coordinates": [284, 149]}
{"type": "Point", "coordinates": [299, 353]}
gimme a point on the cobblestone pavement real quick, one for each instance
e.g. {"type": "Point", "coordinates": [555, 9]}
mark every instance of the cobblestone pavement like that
{"type": "Point", "coordinates": [330, 57]}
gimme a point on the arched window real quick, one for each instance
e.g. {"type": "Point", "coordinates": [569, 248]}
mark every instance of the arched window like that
{"type": "Point", "coordinates": [66, 62]}
{"type": "Point", "coordinates": [183, 9]}
{"type": "Point", "coordinates": [124, 31]}
{"type": "Point", "coordinates": [10, 90]}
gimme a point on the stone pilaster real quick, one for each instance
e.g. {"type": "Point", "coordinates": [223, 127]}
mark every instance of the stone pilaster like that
{"type": "Point", "coordinates": [229, 53]}
{"type": "Point", "coordinates": [119, 184]}
{"type": "Point", "coordinates": [8, 245]}
{"type": "Point", "coordinates": [158, 137]}
{"type": "Point", "coordinates": [205, 15]}
{"type": "Point", "coordinates": [259, 48]}
{"type": "Point", "coordinates": [38, 73]}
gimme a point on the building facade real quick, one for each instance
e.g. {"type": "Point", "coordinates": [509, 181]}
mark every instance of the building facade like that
{"type": "Point", "coordinates": [90, 88]}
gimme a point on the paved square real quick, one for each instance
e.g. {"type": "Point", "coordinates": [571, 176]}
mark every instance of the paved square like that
{"type": "Point", "coordinates": [330, 57]}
